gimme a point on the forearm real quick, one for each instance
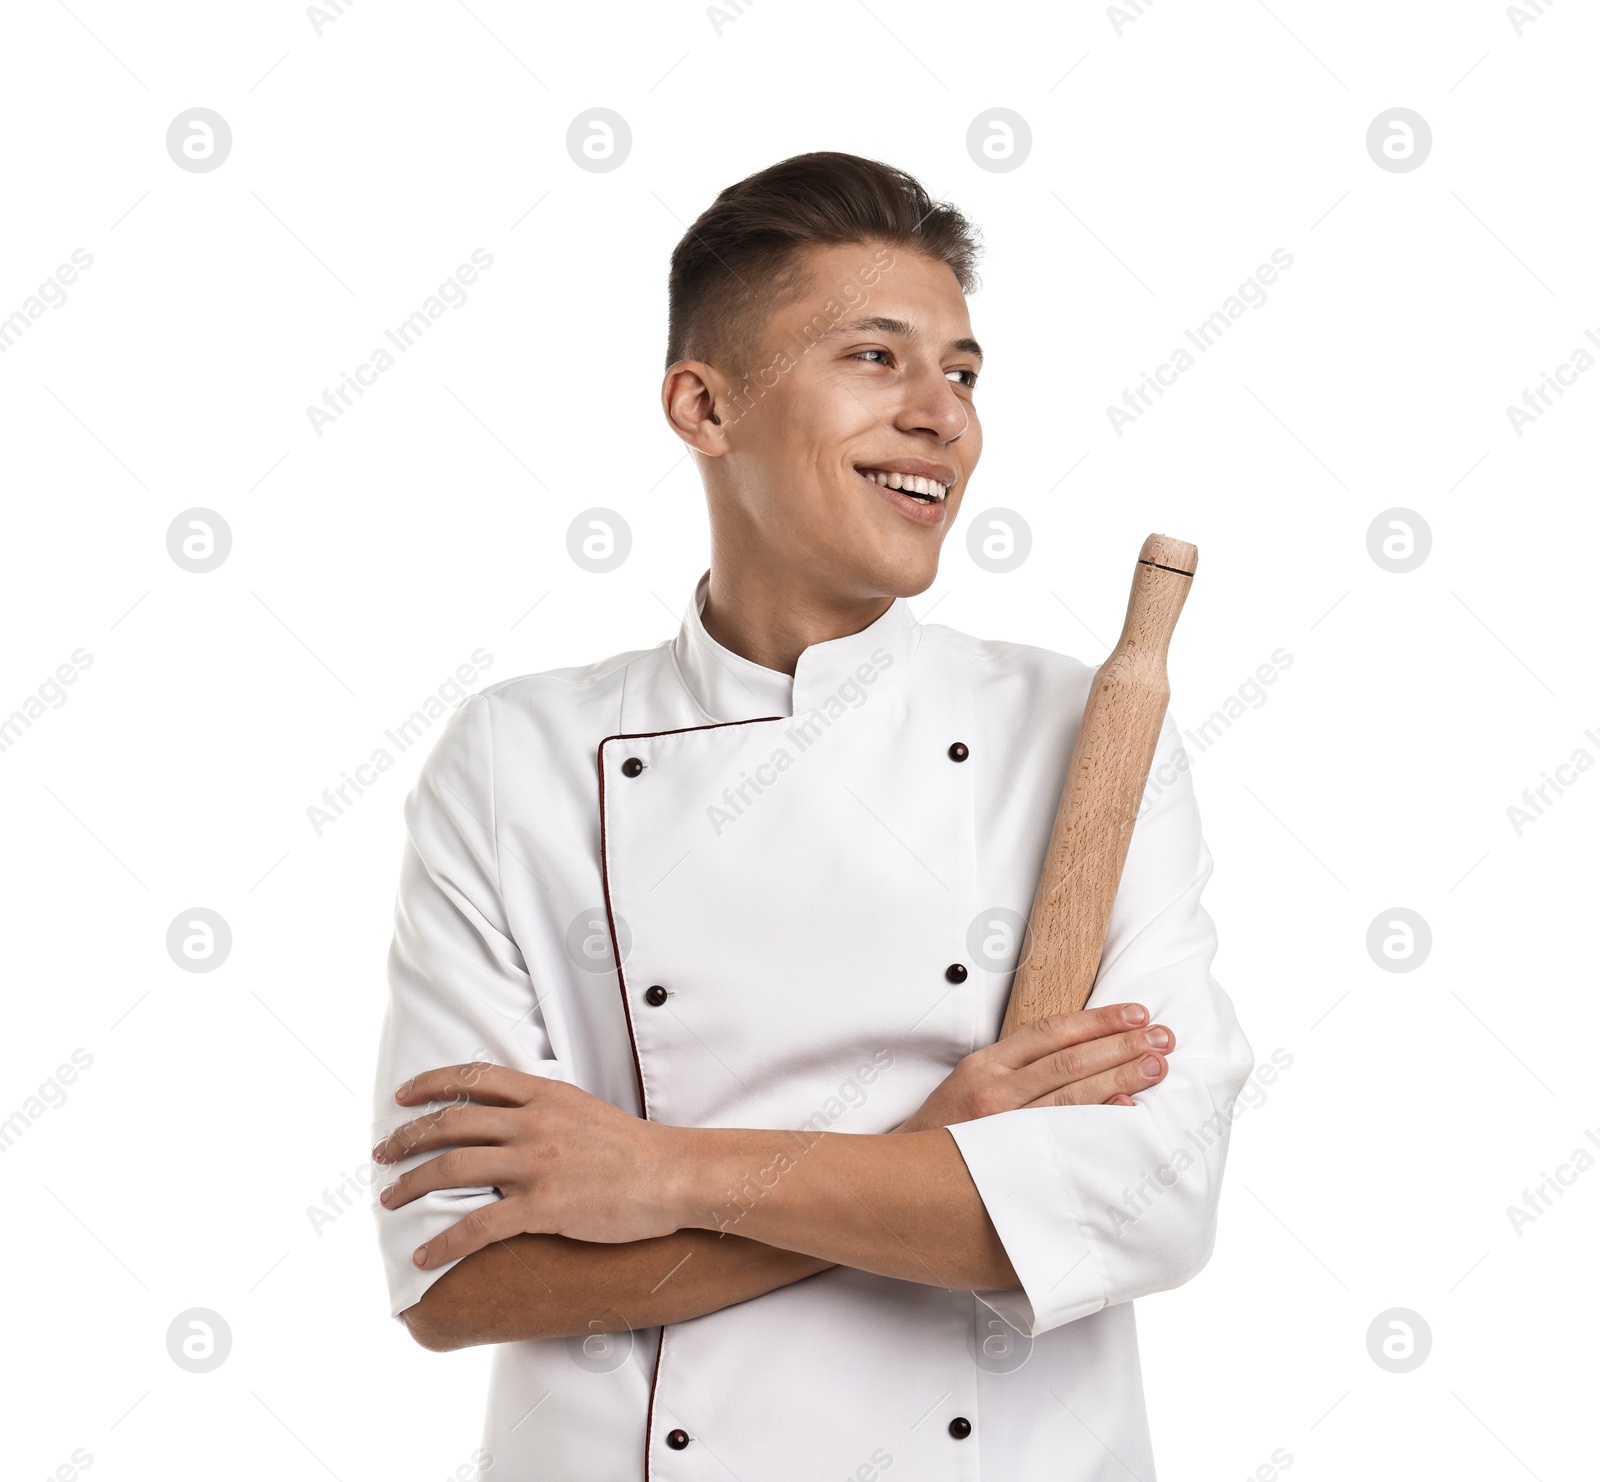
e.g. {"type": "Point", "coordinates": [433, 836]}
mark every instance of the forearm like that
{"type": "Point", "coordinates": [900, 1205]}
{"type": "Point", "coordinates": [547, 1286]}
{"type": "Point", "coordinates": [633, 1197]}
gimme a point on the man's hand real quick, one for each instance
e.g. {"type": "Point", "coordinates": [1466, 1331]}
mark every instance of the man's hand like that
{"type": "Point", "coordinates": [1092, 1058]}
{"type": "Point", "coordinates": [565, 1162]}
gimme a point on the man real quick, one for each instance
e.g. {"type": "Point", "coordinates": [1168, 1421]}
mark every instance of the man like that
{"type": "Point", "coordinates": [701, 952]}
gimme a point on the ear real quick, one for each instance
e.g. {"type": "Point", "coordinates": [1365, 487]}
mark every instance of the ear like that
{"type": "Point", "coordinates": [688, 400]}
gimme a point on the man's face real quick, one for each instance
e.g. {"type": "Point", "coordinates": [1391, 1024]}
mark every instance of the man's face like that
{"type": "Point", "coordinates": [855, 377]}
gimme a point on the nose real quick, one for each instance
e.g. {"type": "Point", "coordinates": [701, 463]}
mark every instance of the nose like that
{"type": "Point", "coordinates": [932, 406]}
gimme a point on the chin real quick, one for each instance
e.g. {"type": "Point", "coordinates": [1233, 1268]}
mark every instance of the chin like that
{"type": "Point", "coordinates": [903, 573]}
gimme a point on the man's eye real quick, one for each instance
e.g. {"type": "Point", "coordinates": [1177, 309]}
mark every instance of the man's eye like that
{"type": "Point", "coordinates": [860, 353]}
{"type": "Point", "coordinates": [972, 376]}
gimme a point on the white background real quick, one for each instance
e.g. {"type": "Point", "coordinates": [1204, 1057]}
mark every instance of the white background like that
{"type": "Point", "coordinates": [1167, 162]}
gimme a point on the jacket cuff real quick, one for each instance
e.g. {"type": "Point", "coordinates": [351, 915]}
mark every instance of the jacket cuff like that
{"type": "Point", "coordinates": [1013, 1163]}
{"type": "Point", "coordinates": [401, 1231]}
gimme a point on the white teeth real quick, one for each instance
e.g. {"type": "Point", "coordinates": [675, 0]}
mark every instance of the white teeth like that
{"type": "Point", "coordinates": [908, 483]}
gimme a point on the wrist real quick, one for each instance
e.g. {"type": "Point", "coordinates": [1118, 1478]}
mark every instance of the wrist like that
{"type": "Point", "coordinates": [684, 1176]}
{"type": "Point", "coordinates": [719, 1176]}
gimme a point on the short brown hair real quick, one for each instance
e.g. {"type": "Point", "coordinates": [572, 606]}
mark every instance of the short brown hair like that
{"type": "Point", "coordinates": [737, 264]}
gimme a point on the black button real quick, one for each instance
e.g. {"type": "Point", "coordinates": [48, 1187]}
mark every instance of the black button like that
{"type": "Point", "coordinates": [679, 1439]}
{"type": "Point", "coordinates": [955, 973]}
{"type": "Point", "coordinates": [632, 767]}
{"type": "Point", "coordinates": [655, 995]}
{"type": "Point", "coordinates": [961, 1427]}
{"type": "Point", "coordinates": [958, 751]}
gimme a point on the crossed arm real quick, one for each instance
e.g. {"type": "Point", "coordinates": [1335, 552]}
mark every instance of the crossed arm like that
{"type": "Point", "coordinates": [609, 1222]}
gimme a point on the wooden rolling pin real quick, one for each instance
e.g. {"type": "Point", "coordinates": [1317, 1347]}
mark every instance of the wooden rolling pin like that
{"type": "Point", "coordinates": [1105, 782]}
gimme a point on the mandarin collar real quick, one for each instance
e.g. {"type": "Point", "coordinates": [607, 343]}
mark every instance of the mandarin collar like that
{"type": "Point", "coordinates": [729, 687]}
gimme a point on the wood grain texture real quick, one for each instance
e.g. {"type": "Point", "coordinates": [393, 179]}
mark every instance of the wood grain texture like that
{"type": "Point", "coordinates": [1100, 802]}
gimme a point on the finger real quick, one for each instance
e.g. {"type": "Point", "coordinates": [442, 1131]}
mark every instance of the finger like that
{"type": "Point", "coordinates": [477, 1080]}
{"type": "Point", "coordinates": [1079, 1062]}
{"type": "Point", "coordinates": [1128, 1079]}
{"type": "Point", "coordinates": [497, 1221]}
{"type": "Point", "coordinates": [462, 1123]}
{"type": "Point", "coordinates": [1120, 1100]}
{"type": "Point", "coordinates": [1056, 1031]}
{"type": "Point", "coordinates": [460, 1168]}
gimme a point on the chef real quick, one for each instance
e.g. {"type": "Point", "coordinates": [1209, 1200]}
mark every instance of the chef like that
{"type": "Point", "coordinates": [689, 1095]}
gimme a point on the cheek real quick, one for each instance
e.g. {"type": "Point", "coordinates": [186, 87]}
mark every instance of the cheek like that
{"type": "Point", "coordinates": [951, 515]}
{"type": "Point", "coordinates": [816, 423]}
{"type": "Point", "coordinates": [971, 449]}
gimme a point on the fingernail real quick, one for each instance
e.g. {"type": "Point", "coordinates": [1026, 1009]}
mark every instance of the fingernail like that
{"type": "Point", "coordinates": [402, 1088]}
{"type": "Point", "coordinates": [1133, 1014]}
{"type": "Point", "coordinates": [1150, 1066]}
{"type": "Point", "coordinates": [419, 1255]}
{"type": "Point", "coordinates": [377, 1153]}
{"type": "Point", "coordinates": [1160, 1038]}
{"type": "Point", "coordinates": [384, 1192]}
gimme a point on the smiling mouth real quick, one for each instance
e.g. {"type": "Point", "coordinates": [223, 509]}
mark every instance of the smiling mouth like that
{"type": "Point", "coordinates": [925, 491]}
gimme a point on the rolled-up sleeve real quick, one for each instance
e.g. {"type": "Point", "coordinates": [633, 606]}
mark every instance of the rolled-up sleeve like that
{"type": "Point", "coordinates": [1101, 1204]}
{"type": "Point", "coordinates": [459, 989]}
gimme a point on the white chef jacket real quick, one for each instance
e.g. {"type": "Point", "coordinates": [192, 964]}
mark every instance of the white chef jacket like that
{"type": "Point", "coordinates": [821, 888]}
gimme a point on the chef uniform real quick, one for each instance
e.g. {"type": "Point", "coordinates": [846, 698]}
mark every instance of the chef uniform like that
{"type": "Point", "coordinates": [814, 887]}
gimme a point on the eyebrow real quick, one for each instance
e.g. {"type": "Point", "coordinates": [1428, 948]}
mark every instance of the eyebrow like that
{"type": "Point", "coordinates": [905, 330]}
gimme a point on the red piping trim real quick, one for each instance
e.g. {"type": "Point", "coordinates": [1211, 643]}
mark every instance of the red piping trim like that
{"type": "Point", "coordinates": [611, 928]}
{"type": "Point", "coordinates": [605, 875]}
{"type": "Point", "coordinates": [622, 984]}
{"type": "Point", "coordinates": [650, 1409]}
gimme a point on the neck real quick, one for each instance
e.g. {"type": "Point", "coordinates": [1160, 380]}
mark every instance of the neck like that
{"type": "Point", "coordinates": [771, 619]}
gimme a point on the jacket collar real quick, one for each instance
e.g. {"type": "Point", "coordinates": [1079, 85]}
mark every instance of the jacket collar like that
{"type": "Point", "coordinates": [729, 687]}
